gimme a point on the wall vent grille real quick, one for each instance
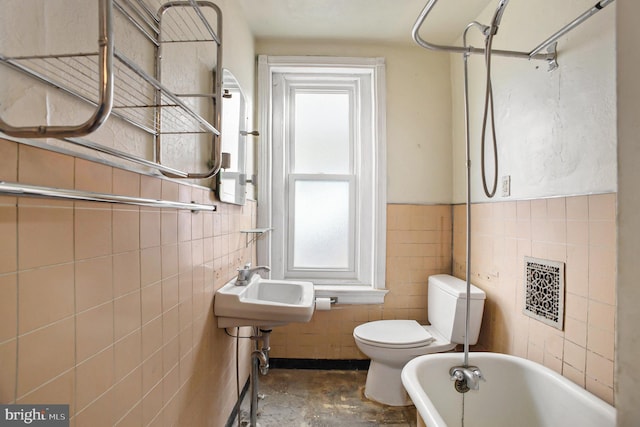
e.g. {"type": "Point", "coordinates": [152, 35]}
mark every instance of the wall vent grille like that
{"type": "Point", "coordinates": [544, 291]}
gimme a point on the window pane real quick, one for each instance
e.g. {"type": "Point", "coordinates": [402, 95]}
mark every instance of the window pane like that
{"type": "Point", "coordinates": [321, 225]}
{"type": "Point", "coordinates": [321, 134]}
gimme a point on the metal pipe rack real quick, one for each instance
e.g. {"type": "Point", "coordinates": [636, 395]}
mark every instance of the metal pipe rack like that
{"type": "Point", "coordinates": [117, 86]}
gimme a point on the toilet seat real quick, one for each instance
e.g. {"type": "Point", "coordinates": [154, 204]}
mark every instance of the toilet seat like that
{"type": "Point", "coordinates": [394, 334]}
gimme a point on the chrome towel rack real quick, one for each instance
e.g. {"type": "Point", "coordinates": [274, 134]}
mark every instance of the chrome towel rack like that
{"type": "Point", "coordinates": [15, 189]}
{"type": "Point", "coordinates": [117, 86]}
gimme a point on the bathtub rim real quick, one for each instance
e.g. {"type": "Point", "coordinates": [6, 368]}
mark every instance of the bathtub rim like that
{"type": "Point", "coordinates": [430, 414]}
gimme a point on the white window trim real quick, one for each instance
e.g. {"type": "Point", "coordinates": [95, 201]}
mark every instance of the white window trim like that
{"type": "Point", "coordinates": [267, 66]}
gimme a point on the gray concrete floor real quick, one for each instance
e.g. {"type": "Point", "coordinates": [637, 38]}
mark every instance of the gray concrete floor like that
{"type": "Point", "coordinates": [315, 398]}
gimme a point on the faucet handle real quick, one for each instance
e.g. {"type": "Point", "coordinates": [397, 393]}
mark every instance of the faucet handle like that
{"type": "Point", "coordinates": [477, 374]}
{"type": "Point", "coordinates": [456, 374]}
{"type": "Point", "coordinates": [246, 267]}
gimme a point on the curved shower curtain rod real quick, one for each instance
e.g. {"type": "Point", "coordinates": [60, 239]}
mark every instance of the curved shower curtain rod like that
{"type": "Point", "coordinates": [550, 56]}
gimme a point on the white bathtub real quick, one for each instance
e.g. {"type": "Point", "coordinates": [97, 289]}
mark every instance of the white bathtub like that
{"type": "Point", "coordinates": [517, 392]}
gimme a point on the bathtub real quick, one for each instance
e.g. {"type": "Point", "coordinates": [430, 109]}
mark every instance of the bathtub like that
{"type": "Point", "coordinates": [517, 392]}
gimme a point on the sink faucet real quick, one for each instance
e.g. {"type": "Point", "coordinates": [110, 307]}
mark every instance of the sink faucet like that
{"type": "Point", "coordinates": [246, 273]}
{"type": "Point", "coordinates": [466, 378]}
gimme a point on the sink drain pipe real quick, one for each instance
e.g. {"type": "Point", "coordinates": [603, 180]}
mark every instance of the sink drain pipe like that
{"type": "Point", "coordinates": [259, 362]}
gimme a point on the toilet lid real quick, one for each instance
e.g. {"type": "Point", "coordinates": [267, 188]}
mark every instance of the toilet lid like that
{"type": "Point", "coordinates": [394, 332]}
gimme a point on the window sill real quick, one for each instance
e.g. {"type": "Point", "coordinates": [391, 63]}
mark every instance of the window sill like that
{"type": "Point", "coordinates": [351, 294]}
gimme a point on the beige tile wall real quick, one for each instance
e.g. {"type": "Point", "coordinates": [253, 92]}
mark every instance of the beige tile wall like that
{"type": "Point", "coordinates": [579, 231]}
{"type": "Point", "coordinates": [418, 245]}
{"type": "Point", "coordinates": [109, 307]}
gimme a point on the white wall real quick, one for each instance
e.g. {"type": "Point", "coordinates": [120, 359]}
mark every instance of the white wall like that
{"type": "Point", "coordinates": [418, 114]}
{"type": "Point", "coordinates": [238, 56]}
{"type": "Point", "coordinates": [556, 131]}
{"type": "Point", "coordinates": [238, 47]}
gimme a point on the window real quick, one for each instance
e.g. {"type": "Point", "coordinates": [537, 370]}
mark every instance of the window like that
{"type": "Point", "coordinates": [323, 178]}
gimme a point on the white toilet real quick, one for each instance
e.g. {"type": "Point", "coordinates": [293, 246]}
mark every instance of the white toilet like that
{"type": "Point", "coordinates": [390, 344]}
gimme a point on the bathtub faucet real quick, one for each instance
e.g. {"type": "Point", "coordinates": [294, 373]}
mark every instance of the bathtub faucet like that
{"type": "Point", "coordinates": [246, 273]}
{"type": "Point", "coordinates": [466, 378]}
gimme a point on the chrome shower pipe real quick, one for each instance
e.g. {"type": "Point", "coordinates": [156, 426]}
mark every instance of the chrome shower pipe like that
{"type": "Point", "coordinates": [465, 56]}
{"type": "Point", "coordinates": [570, 26]}
{"type": "Point", "coordinates": [462, 49]}
{"type": "Point", "coordinates": [536, 53]}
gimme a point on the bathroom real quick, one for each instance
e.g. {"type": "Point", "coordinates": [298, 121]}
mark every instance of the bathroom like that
{"type": "Point", "coordinates": [121, 326]}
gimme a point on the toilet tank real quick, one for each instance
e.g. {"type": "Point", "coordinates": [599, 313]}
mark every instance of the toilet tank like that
{"type": "Point", "coordinates": [447, 308]}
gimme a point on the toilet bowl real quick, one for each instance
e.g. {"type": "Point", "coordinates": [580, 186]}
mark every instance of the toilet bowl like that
{"type": "Point", "coordinates": [387, 359]}
{"type": "Point", "coordinates": [391, 344]}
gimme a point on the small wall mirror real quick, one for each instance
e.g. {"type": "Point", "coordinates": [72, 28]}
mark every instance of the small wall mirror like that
{"type": "Point", "coordinates": [232, 178]}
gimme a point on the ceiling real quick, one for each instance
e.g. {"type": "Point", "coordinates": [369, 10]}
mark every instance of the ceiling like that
{"type": "Point", "coordinates": [362, 20]}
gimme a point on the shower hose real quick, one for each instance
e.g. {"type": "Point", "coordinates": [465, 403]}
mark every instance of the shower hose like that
{"type": "Point", "coordinates": [488, 110]}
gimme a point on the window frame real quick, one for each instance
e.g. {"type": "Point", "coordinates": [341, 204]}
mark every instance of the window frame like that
{"type": "Point", "coordinates": [271, 203]}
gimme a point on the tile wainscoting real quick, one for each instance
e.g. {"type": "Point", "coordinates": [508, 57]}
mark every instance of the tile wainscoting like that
{"type": "Point", "coordinates": [108, 308]}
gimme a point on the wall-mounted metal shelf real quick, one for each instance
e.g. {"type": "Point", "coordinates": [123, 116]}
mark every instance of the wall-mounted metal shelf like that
{"type": "Point", "coordinates": [255, 233]}
{"type": "Point", "coordinates": [117, 86]}
{"type": "Point", "coordinates": [134, 92]}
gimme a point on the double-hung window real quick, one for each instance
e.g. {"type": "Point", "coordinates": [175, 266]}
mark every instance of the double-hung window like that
{"type": "Point", "coordinates": [324, 196]}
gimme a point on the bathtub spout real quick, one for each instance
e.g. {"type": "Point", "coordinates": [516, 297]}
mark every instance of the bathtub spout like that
{"type": "Point", "coordinates": [466, 378]}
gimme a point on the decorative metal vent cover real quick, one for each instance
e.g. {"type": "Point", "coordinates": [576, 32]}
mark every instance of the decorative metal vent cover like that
{"type": "Point", "coordinates": [544, 291]}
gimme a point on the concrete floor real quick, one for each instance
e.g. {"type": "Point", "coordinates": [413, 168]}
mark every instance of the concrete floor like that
{"type": "Point", "coordinates": [316, 398]}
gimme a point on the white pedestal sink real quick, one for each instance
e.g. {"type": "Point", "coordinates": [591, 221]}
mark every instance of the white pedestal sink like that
{"type": "Point", "coordinates": [264, 303]}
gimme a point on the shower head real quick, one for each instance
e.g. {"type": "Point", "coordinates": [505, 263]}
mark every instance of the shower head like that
{"type": "Point", "coordinates": [499, 11]}
{"type": "Point", "coordinates": [497, 17]}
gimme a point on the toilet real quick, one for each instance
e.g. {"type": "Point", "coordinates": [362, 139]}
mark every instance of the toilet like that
{"type": "Point", "coordinates": [390, 344]}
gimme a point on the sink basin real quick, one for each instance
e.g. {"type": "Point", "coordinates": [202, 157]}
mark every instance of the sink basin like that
{"type": "Point", "coordinates": [264, 303]}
